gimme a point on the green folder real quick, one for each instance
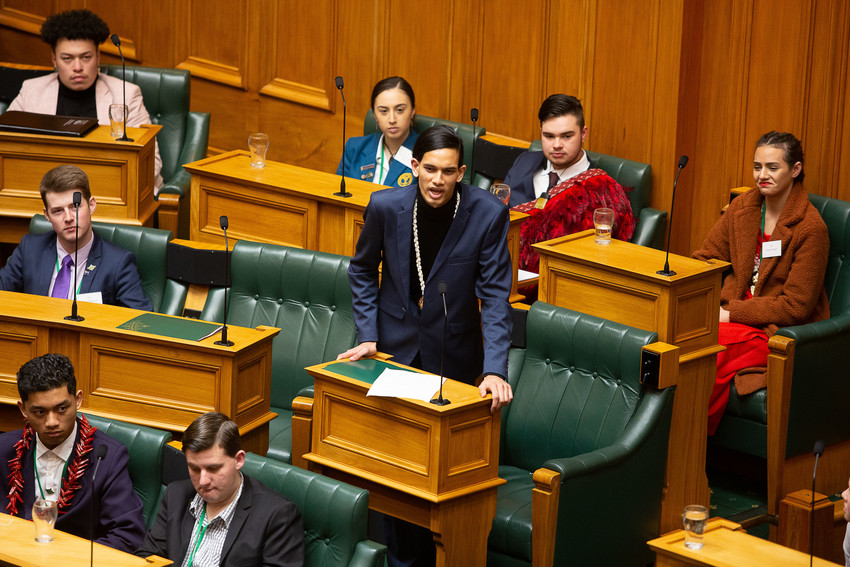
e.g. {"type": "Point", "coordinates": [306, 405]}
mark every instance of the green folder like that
{"type": "Point", "coordinates": [174, 327]}
{"type": "Point", "coordinates": [366, 369]}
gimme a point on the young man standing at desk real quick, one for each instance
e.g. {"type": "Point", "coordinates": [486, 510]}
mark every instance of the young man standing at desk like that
{"type": "Point", "coordinates": [54, 456]}
{"type": "Point", "coordinates": [43, 264]}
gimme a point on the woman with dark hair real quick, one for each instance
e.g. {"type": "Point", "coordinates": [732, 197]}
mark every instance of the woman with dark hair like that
{"type": "Point", "coordinates": [384, 157]}
{"type": "Point", "coordinates": [777, 244]}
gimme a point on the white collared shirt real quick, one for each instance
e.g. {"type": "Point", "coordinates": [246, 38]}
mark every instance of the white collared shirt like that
{"type": "Point", "coordinates": [50, 464]}
{"type": "Point", "coordinates": [82, 257]}
{"type": "Point", "coordinates": [209, 550]}
{"type": "Point", "coordinates": [383, 160]}
{"type": "Point", "coordinates": [541, 178]}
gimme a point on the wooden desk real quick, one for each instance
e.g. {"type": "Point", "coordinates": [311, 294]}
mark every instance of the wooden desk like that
{"type": "Point", "coordinates": [20, 548]}
{"type": "Point", "coordinates": [619, 282]}
{"type": "Point", "coordinates": [726, 545]}
{"type": "Point", "coordinates": [434, 466]}
{"type": "Point", "coordinates": [138, 377]}
{"type": "Point", "coordinates": [288, 205]}
{"type": "Point", "coordinates": [121, 175]}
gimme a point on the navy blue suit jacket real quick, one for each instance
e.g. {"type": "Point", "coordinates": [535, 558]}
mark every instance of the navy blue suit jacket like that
{"type": "Point", "coordinates": [110, 270]}
{"type": "Point", "coordinates": [474, 263]}
{"type": "Point", "coordinates": [520, 177]}
{"type": "Point", "coordinates": [266, 528]}
{"type": "Point", "coordinates": [120, 521]}
{"type": "Point", "coordinates": [360, 159]}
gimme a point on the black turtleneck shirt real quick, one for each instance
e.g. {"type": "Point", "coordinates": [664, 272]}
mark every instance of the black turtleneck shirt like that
{"type": "Point", "coordinates": [434, 224]}
{"type": "Point", "coordinates": [77, 103]}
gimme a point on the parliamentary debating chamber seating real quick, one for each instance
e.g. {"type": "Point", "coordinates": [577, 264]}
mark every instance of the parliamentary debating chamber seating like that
{"type": "Point", "coordinates": [583, 446]}
{"type": "Point", "coordinates": [806, 386]}
{"type": "Point", "coordinates": [304, 293]}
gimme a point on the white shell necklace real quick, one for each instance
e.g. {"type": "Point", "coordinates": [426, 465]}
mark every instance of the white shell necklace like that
{"type": "Point", "coordinates": [416, 244]}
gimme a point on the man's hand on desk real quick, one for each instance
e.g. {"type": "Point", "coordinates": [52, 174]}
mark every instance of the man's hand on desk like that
{"type": "Point", "coordinates": [363, 350]}
{"type": "Point", "coordinates": [501, 390]}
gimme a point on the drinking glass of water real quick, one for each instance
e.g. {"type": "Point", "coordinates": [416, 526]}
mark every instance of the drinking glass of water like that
{"type": "Point", "coordinates": [603, 222]}
{"type": "Point", "coordinates": [502, 192]}
{"type": "Point", "coordinates": [693, 522]}
{"type": "Point", "coordinates": [44, 513]}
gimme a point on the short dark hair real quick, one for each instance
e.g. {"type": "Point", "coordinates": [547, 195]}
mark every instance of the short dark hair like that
{"type": "Point", "coordinates": [437, 138]}
{"type": "Point", "coordinates": [561, 105]}
{"type": "Point", "coordinates": [393, 83]}
{"type": "Point", "coordinates": [791, 147]}
{"type": "Point", "coordinates": [44, 373]}
{"type": "Point", "coordinates": [210, 429]}
{"type": "Point", "coordinates": [65, 178]}
{"type": "Point", "coordinates": [74, 24]}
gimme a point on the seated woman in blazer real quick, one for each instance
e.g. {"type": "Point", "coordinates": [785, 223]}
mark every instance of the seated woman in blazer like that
{"type": "Point", "coordinates": [384, 157]}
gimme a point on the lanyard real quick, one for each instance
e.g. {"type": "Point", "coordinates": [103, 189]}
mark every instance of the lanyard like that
{"type": "Point", "coordinates": [38, 479]}
{"type": "Point", "coordinates": [79, 285]}
{"type": "Point", "coordinates": [199, 534]}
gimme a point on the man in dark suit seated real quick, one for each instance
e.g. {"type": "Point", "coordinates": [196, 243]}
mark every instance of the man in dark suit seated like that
{"type": "Point", "coordinates": [53, 458]}
{"type": "Point", "coordinates": [220, 516]}
{"type": "Point", "coordinates": [43, 264]}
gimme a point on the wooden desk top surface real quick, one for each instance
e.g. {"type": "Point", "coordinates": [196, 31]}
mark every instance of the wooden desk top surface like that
{"type": "Point", "coordinates": [104, 319]}
{"type": "Point", "coordinates": [99, 136]}
{"type": "Point", "coordinates": [20, 548]}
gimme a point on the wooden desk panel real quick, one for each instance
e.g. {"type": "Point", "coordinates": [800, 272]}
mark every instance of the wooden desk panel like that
{"type": "Point", "coordinates": [121, 175]}
{"type": "Point", "coordinates": [141, 378]}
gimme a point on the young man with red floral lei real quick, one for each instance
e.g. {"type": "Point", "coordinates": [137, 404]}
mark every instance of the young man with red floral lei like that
{"type": "Point", "coordinates": [53, 458]}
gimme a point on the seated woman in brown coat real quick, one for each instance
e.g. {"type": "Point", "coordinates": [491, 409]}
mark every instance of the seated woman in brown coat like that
{"type": "Point", "coordinates": [777, 244]}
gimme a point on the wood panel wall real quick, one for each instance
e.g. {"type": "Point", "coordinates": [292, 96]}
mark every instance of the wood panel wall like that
{"type": "Point", "coordinates": [658, 78]}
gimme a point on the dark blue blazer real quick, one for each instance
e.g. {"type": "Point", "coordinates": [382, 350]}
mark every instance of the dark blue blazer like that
{"type": "Point", "coordinates": [120, 522]}
{"type": "Point", "coordinates": [520, 176]}
{"type": "Point", "coordinates": [266, 528]}
{"type": "Point", "coordinates": [360, 159]}
{"type": "Point", "coordinates": [474, 263]}
{"type": "Point", "coordinates": [110, 270]}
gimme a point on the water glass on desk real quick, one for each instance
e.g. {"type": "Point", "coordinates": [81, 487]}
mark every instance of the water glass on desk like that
{"type": "Point", "coordinates": [44, 513]}
{"type": "Point", "coordinates": [693, 522]}
{"type": "Point", "coordinates": [117, 117]}
{"type": "Point", "coordinates": [603, 222]}
{"type": "Point", "coordinates": [258, 144]}
{"type": "Point", "coordinates": [502, 191]}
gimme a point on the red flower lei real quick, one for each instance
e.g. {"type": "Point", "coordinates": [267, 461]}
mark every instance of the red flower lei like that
{"type": "Point", "coordinates": [76, 468]}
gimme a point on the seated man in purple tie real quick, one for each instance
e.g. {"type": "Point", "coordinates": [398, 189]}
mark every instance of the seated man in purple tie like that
{"type": "Point", "coordinates": [43, 264]}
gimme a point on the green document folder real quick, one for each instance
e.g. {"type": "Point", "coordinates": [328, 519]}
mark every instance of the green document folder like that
{"type": "Point", "coordinates": [174, 327]}
{"type": "Point", "coordinates": [366, 369]}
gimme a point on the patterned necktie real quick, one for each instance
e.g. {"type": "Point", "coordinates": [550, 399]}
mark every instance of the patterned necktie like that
{"type": "Point", "coordinates": [554, 179]}
{"type": "Point", "coordinates": [63, 278]}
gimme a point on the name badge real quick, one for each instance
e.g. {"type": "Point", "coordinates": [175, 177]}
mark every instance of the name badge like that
{"type": "Point", "coordinates": [771, 249]}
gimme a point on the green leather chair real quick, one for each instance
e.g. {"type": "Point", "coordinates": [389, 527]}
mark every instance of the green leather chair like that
{"type": "Point", "coordinates": [334, 514]}
{"type": "Point", "coordinates": [579, 412]}
{"type": "Point", "coordinates": [12, 76]}
{"type": "Point", "coordinates": [184, 136]}
{"type": "Point", "coordinates": [807, 391]}
{"type": "Point", "coordinates": [304, 293]}
{"type": "Point", "coordinates": [422, 123]}
{"type": "Point", "coordinates": [146, 448]}
{"type": "Point", "coordinates": [149, 245]}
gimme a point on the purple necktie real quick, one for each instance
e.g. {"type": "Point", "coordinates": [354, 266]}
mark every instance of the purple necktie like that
{"type": "Point", "coordinates": [63, 278]}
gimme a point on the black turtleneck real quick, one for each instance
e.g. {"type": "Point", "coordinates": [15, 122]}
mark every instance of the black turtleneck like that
{"type": "Point", "coordinates": [434, 224]}
{"type": "Point", "coordinates": [77, 103]}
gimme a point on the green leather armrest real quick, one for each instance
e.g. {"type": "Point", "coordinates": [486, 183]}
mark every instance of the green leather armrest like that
{"type": "Point", "coordinates": [368, 554]}
{"type": "Point", "coordinates": [650, 228]}
{"type": "Point", "coordinates": [819, 387]}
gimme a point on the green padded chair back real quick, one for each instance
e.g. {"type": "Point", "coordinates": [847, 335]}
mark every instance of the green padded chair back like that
{"type": "Point", "coordinates": [146, 446]}
{"type": "Point", "coordinates": [334, 514]}
{"type": "Point", "coordinates": [836, 216]}
{"type": "Point", "coordinates": [304, 293]}
{"type": "Point", "coordinates": [582, 386]}
{"type": "Point", "coordinates": [149, 245]}
{"type": "Point", "coordinates": [166, 93]}
{"type": "Point", "coordinates": [422, 123]}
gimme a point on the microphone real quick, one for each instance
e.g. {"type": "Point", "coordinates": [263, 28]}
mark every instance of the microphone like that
{"type": "Point", "coordinates": [78, 199]}
{"type": "Point", "coordinates": [440, 400]}
{"type": "Point", "coordinates": [818, 452]}
{"type": "Point", "coordinates": [101, 453]}
{"type": "Point", "coordinates": [342, 192]}
{"type": "Point", "coordinates": [223, 341]}
{"type": "Point", "coordinates": [683, 161]}
{"type": "Point", "coordinates": [473, 114]}
{"type": "Point", "coordinates": [117, 41]}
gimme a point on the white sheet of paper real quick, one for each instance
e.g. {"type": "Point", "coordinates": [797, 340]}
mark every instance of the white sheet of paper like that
{"type": "Point", "coordinates": [91, 297]}
{"type": "Point", "coordinates": [405, 384]}
{"type": "Point", "coordinates": [525, 275]}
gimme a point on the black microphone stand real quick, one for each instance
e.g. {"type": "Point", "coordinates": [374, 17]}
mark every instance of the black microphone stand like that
{"type": "Point", "coordinates": [117, 41]}
{"type": "Point", "coordinates": [342, 192]}
{"type": "Point", "coordinates": [224, 341]}
{"type": "Point", "coordinates": [474, 116]}
{"type": "Point", "coordinates": [78, 199]}
{"type": "Point", "coordinates": [440, 400]}
{"type": "Point", "coordinates": [683, 161]}
{"type": "Point", "coordinates": [818, 452]}
{"type": "Point", "coordinates": [101, 452]}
